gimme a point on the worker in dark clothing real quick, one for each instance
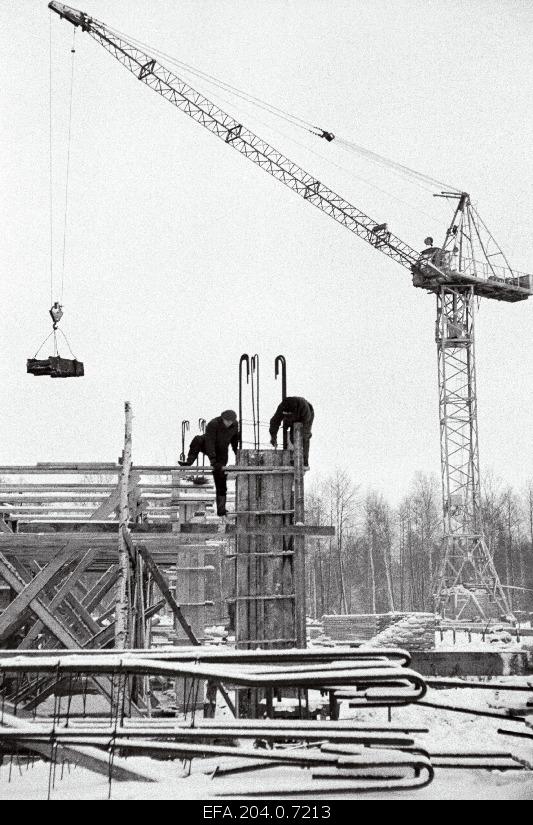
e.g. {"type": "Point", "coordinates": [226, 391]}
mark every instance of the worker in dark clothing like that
{"type": "Point", "coordinates": [293, 410]}
{"type": "Point", "coordinates": [430, 250]}
{"type": "Point", "coordinates": [214, 443]}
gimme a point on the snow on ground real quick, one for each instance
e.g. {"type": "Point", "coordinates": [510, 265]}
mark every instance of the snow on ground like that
{"type": "Point", "coordinates": [448, 730]}
{"type": "Point", "coordinates": [475, 642]}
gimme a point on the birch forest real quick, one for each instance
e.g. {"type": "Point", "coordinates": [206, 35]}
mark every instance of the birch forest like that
{"type": "Point", "coordinates": [384, 558]}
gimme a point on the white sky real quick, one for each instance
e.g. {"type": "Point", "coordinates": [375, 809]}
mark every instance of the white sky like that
{"type": "Point", "coordinates": [181, 254]}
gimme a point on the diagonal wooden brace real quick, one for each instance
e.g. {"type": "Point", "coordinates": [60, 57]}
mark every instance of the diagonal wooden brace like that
{"type": "Point", "coordinates": [63, 592]}
{"type": "Point", "coordinates": [28, 595]}
{"type": "Point", "coordinates": [164, 587]}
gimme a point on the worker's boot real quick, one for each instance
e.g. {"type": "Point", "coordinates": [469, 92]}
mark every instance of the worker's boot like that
{"type": "Point", "coordinates": [191, 458]}
{"type": "Point", "coordinates": [221, 506]}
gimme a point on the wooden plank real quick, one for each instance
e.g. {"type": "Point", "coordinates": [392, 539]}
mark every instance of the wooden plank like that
{"type": "Point", "coordinates": [299, 541]}
{"type": "Point", "coordinates": [108, 506]}
{"type": "Point", "coordinates": [51, 501]}
{"type": "Point", "coordinates": [284, 530]}
{"type": "Point", "coordinates": [64, 469]}
{"type": "Point", "coordinates": [100, 589]}
{"type": "Point", "coordinates": [114, 469]}
{"type": "Point", "coordinates": [270, 512]}
{"type": "Point", "coordinates": [106, 634]}
{"type": "Point", "coordinates": [75, 613]}
{"type": "Point", "coordinates": [27, 487]}
{"type": "Point", "coordinates": [61, 633]}
{"type": "Point", "coordinates": [260, 566]}
{"type": "Point", "coordinates": [166, 592]}
{"type": "Point", "coordinates": [28, 594]}
{"type": "Point", "coordinates": [69, 583]}
{"type": "Point", "coordinates": [41, 606]}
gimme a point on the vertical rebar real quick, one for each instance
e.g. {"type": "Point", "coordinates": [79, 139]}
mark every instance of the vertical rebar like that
{"type": "Point", "coordinates": [121, 601]}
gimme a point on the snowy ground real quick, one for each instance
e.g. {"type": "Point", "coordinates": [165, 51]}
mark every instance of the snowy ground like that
{"type": "Point", "coordinates": [496, 640]}
{"type": "Point", "coordinates": [450, 731]}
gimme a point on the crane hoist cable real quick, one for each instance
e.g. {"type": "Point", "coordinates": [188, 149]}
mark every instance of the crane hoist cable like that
{"type": "Point", "coordinates": [67, 176]}
{"type": "Point", "coordinates": [51, 169]}
{"type": "Point", "coordinates": [350, 145]}
{"type": "Point", "coordinates": [419, 179]}
{"type": "Point", "coordinates": [55, 366]}
{"type": "Point", "coordinates": [294, 120]}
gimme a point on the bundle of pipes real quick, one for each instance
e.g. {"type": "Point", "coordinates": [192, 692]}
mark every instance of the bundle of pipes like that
{"type": "Point", "coordinates": [191, 653]}
{"type": "Point", "coordinates": [378, 679]}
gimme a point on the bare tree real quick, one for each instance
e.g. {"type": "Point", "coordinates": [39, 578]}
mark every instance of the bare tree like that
{"type": "Point", "coordinates": [340, 494]}
{"type": "Point", "coordinates": [420, 531]}
{"type": "Point", "coordinates": [379, 537]}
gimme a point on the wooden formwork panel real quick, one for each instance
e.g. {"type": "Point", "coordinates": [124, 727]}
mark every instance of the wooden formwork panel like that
{"type": "Point", "coordinates": [264, 575]}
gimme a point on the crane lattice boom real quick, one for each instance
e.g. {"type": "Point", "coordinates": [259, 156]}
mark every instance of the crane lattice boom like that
{"type": "Point", "coordinates": [429, 275]}
{"type": "Point", "coordinates": [225, 127]}
{"type": "Point", "coordinates": [451, 271]}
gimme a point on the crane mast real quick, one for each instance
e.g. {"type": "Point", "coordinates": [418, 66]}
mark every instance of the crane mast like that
{"type": "Point", "coordinates": [467, 575]}
{"type": "Point", "coordinates": [466, 582]}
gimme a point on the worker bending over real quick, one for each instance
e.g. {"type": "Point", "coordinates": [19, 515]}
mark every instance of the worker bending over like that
{"type": "Point", "coordinates": [214, 443]}
{"type": "Point", "coordinates": [293, 410]}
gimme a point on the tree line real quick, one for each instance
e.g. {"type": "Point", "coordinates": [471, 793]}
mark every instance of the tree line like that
{"type": "Point", "coordinates": [385, 558]}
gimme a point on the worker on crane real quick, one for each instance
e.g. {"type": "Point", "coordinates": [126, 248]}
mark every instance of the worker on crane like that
{"type": "Point", "coordinates": [293, 410]}
{"type": "Point", "coordinates": [443, 259]}
{"type": "Point", "coordinates": [430, 249]}
{"type": "Point", "coordinates": [214, 443]}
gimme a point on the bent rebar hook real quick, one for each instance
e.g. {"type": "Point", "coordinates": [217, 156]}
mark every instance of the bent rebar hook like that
{"type": "Point", "coordinates": [185, 425]}
{"type": "Point", "coordinates": [202, 424]}
{"type": "Point", "coordinates": [245, 359]}
{"type": "Point", "coordinates": [255, 405]}
{"type": "Point", "coordinates": [280, 360]}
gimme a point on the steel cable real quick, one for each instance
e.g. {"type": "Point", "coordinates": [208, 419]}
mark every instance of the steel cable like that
{"type": "Point", "coordinates": [69, 140]}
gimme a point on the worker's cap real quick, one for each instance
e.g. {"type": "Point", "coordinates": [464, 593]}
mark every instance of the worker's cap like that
{"type": "Point", "coordinates": [229, 415]}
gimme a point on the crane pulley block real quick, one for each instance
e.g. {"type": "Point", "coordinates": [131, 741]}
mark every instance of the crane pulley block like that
{"type": "Point", "coordinates": [56, 313]}
{"type": "Point", "coordinates": [55, 367]}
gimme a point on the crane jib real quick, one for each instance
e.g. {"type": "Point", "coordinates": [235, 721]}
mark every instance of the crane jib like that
{"type": "Point", "coordinates": [426, 275]}
{"type": "Point", "coordinates": [204, 111]}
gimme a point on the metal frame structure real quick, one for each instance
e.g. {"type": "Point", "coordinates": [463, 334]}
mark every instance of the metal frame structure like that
{"type": "Point", "coordinates": [466, 560]}
{"type": "Point", "coordinates": [461, 270]}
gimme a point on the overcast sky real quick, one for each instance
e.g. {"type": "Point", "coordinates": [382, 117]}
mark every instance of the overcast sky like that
{"type": "Point", "coordinates": [181, 254]}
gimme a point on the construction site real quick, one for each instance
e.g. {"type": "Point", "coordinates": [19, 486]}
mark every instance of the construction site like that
{"type": "Point", "coordinates": [256, 604]}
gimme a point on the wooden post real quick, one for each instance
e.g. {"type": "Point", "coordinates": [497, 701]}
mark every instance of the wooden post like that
{"type": "Point", "coordinates": [299, 541]}
{"type": "Point", "coordinates": [121, 601]}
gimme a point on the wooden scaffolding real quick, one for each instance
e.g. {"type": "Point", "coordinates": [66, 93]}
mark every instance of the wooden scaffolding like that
{"type": "Point", "coordinates": [91, 553]}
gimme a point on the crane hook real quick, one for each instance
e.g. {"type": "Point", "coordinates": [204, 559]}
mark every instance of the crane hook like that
{"type": "Point", "coordinates": [56, 313]}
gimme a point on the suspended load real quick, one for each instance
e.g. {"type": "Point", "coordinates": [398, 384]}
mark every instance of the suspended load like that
{"type": "Point", "coordinates": [55, 366]}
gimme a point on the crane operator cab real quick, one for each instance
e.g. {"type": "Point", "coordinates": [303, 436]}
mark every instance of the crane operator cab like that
{"type": "Point", "coordinates": [436, 255]}
{"type": "Point", "coordinates": [55, 366]}
{"type": "Point", "coordinates": [434, 263]}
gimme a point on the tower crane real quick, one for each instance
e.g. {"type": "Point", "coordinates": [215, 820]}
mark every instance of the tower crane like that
{"type": "Point", "coordinates": [466, 266]}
